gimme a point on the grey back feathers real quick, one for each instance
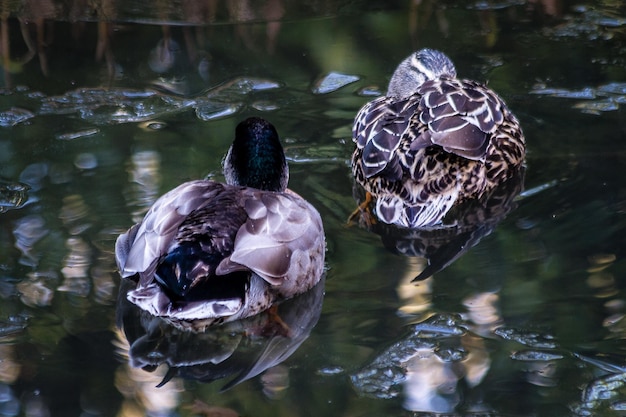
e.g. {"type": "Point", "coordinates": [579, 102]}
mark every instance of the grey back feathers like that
{"type": "Point", "coordinates": [207, 253]}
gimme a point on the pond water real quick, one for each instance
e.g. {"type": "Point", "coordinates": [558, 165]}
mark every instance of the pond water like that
{"type": "Point", "coordinates": [104, 107]}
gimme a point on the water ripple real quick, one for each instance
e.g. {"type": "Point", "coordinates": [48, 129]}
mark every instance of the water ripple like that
{"type": "Point", "coordinates": [316, 154]}
{"type": "Point", "coordinates": [37, 290]}
{"type": "Point", "coordinates": [229, 98]}
{"type": "Point", "coordinates": [613, 88]}
{"type": "Point", "coordinates": [13, 195]}
{"type": "Point", "coordinates": [76, 267]}
{"type": "Point", "coordinates": [535, 355]}
{"type": "Point", "coordinates": [12, 325]}
{"type": "Point", "coordinates": [114, 106]}
{"type": "Point", "coordinates": [210, 110]}
{"type": "Point", "coordinates": [597, 107]}
{"type": "Point", "coordinates": [14, 116]}
{"type": "Point", "coordinates": [489, 5]}
{"type": "Point", "coordinates": [27, 232]}
{"type": "Point", "coordinates": [600, 393]}
{"type": "Point", "coordinates": [585, 93]}
{"type": "Point", "coordinates": [74, 213]}
{"type": "Point", "coordinates": [265, 105]}
{"type": "Point", "coordinates": [109, 106]}
{"type": "Point", "coordinates": [590, 23]}
{"type": "Point", "coordinates": [242, 86]}
{"type": "Point", "coordinates": [78, 134]}
{"type": "Point", "coordinates": [332, 81]}
{"type": "Point", "coordinates": [34, 174]}
{"type": "Point", "coordinates": [145, 178]}
{"type": "Point", "coordinates": [370, 91]}
{"type": "Point", "coordinates": [604, 98]}
{"type": "Point", "coordinates": [527, 338]}
{"type": "Point", "coordinates": [86, 161]}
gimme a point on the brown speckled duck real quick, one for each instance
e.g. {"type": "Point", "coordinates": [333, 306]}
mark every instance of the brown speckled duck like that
{"type": "Point", "coordinates": [432, 142]}
{"type": "Point", "coordinates": [208, 253]}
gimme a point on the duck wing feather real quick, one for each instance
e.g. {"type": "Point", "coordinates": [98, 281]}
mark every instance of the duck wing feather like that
{"type": "Point", "coordinates": [273, 227]}
{"type": "Point", "coordinates": [458, 115]}
{"type": "Point", "coordinates": [461, 116]}
{"type": "Point", "coordinates": [280, 228]}
{"type": "Point", "coordinates": [140, 249]}
{"type": "Point", "coordinates": [379, 126]}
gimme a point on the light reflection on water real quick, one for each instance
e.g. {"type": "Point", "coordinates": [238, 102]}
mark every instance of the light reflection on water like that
{"type": "Point", "coordinates": [91, 137]}
{"type": "Point", "coordinates": [28, 231]}
{"type": "Point", "coordinates": [145, 180]}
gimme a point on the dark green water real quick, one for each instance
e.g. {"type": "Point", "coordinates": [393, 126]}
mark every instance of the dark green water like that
{"type": "Point", "coordinates": [103, 109]}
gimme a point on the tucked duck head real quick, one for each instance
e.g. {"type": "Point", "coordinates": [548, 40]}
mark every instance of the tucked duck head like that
{"type": "Point", "coordinates": [421, 66]}
{"type": "Point", "coordinates": [256, 158]}
{"type": "Point", "coordinates": [432, 142]}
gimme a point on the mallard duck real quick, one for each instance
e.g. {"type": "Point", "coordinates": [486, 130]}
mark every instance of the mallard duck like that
{"type": "Point", "coordinates": [208, 253]}
{"type": "Point", "coordinates": [432, 141]}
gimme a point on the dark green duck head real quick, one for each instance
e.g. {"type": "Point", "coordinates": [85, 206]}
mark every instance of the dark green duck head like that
{"type": "Point", "coordinates": [421, 66]}
{"type": "Point", "coordinates": [256, 158]}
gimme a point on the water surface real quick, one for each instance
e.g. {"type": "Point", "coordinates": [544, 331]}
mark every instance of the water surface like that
{"type": "Point", "coordinates": [105, 107]}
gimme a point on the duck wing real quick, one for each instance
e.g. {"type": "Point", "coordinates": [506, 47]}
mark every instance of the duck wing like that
{"type": "Point", "coordinates": [458, 115]}
{"type": "Point", "coordinates": [378, 128]}
{"type": "Point", "coordinates": [140, 249]}
{"type": "Point", "coordinates": [275, 234]}
{"type": "Point", "coordinates": [282, 238]}
{"type": "Point", "coordinates": [461, 116]}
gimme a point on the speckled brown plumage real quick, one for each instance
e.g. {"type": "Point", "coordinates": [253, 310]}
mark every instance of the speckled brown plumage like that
{"type": "Point", "coordinates": [444, 141]}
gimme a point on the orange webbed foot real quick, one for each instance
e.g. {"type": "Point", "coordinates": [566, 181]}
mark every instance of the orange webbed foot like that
{"type": "Point", "coordinates": [363, 212]}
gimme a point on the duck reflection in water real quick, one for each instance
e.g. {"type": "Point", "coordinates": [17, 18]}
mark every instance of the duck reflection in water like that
{"type": "Point", "coordinates": [434, 149]}
{"type": "Point", "coordinates": [242, 349]}
{"type": "Point", "coordinates": [462, 229]}
{"type": "Point", "coordinates": [207, 253]}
